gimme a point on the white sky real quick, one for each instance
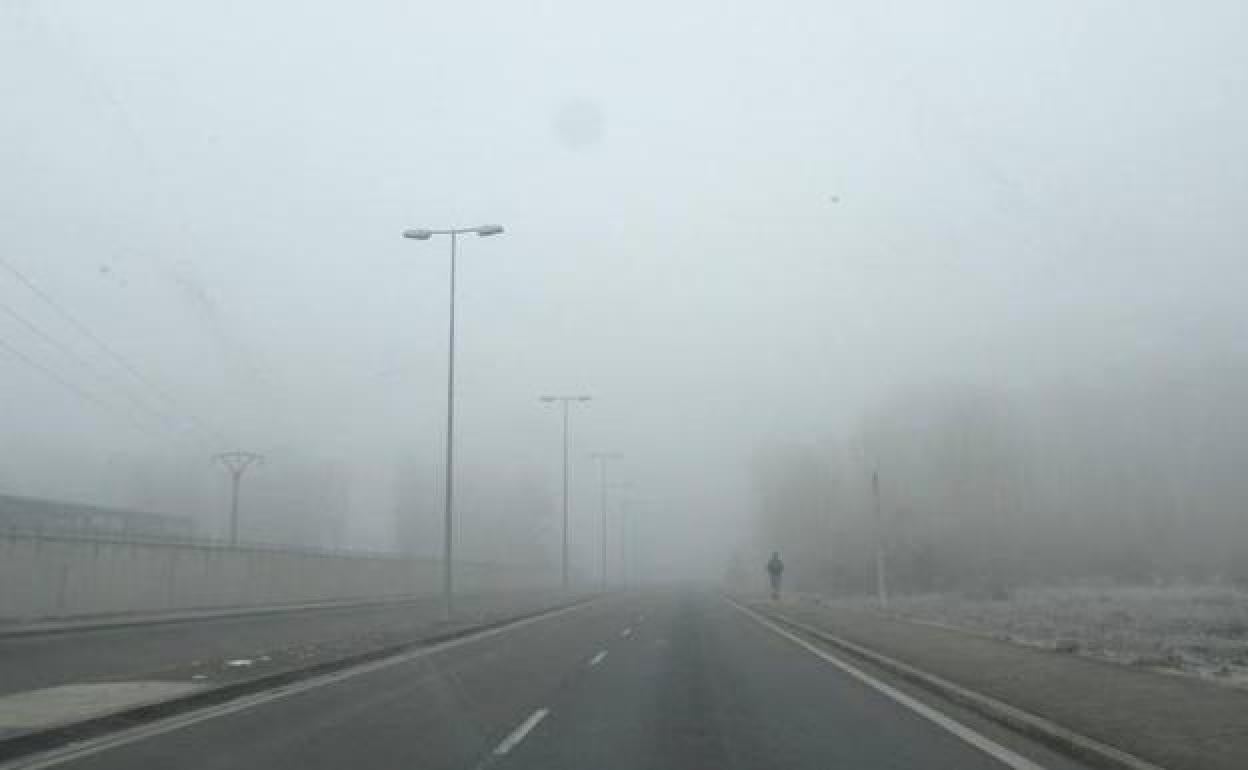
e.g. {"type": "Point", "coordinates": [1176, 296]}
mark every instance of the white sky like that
{"type": "Point", "coordinates": [728, 221]}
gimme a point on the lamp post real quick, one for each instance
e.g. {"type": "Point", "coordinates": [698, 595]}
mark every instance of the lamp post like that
{"type": "Point", "coordinates": [602, 458]}
{"type": "Point", "coordinates": [621, 486]}
{"type": "Point", "coordinates": [448, 520]}
{"type": "Point", "coordinates": [881, 567]}
{"type": "Point", "coordinates": [565, 401]}
{"type": "Point", "coordinates": [627, 550]}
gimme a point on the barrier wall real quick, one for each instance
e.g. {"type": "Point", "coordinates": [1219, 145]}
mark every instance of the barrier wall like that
{"type": "Point", "coordinates": [57, 576]}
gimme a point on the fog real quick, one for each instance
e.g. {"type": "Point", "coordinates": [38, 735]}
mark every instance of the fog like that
{"type": "Point", "coordinates": [994, 252]}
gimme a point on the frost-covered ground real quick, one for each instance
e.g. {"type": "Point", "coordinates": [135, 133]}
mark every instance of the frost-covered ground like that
{"type": "Point", "coordinates": [1197, 630]}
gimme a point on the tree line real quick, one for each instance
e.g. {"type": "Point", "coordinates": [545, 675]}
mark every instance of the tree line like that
{"type": "Point", "coordinates": [1138, 479]}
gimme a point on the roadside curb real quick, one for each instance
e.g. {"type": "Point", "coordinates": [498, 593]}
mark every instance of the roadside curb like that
{"type": "Point", "coordinates": [37, 741]}
{"type": "Point", "coordinates": [1024, 722]}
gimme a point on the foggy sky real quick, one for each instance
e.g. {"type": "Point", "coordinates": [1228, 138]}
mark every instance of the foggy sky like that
{"type": "Point", "coordinates": [729, 222]}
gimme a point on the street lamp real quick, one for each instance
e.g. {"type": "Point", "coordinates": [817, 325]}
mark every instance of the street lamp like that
{"type": "Point", "coordinates": [881, 564]}
{"type": "Point", "coordinates": [565, 400]}
{"type": "Point", "coordinates": [602, 458]}
{"type": "Point", "coordinates": [626, 550]}
{"type": "Point", "coordinates": [447, 532]}
{"type": "Point", "coordinates": [621, 486]}
{"type": "Point", "coordinates": [871, 459]}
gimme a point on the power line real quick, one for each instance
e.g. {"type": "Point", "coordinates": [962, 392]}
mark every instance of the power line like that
{"type": "Point", "coordinates": [76, 390]}
{"type": "Point", "coordinates": [145, 161]}
{"type": "Point", "coordinates": [82, 328]}
{"type": "Point", "coordinates": [118, 358]}
{"type": "Point", "coordinates": [71, 354]}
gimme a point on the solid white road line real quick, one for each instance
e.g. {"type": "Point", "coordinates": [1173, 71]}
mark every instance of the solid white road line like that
{"type": "Point", "coordinates": [598, 658]}
{"type": "Point", "coordinates": [983, 743]}
{"type": "Point", "coordinates": [518, 734]}
{"type": "Point", "coordinates": [104, 743]}
{"type": "Point", "coordinates": [627, 632]}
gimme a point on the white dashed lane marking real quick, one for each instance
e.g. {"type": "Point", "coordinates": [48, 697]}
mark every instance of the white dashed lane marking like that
{"type": "Point", "coordinates": [517, 735]}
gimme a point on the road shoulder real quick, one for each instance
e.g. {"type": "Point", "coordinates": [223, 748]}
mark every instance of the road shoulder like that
{"type": "Point", "coordinates": [105, 716]}
{"type": "Point", "coordinates": [1165, 720]}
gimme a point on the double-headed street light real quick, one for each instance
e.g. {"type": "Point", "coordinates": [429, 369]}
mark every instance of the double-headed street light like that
{"type": "Point", "coordinates": [424, 235]}
{"type": "Point", "coordinates": [565, 400]}
{"type": "Point", "coordinates": [627, 526]}
{"type": "Point", "coordinates": [602, 458]}
{"type": "Point", "coordinates": [621, 486]}
{"type": "Point", "coordinates": [482, 230]}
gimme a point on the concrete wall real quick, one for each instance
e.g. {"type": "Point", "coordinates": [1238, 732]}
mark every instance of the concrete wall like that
{"type": "Point", "coordinates": [58, 576]}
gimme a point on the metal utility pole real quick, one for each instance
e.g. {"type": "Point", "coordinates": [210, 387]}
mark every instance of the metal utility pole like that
{"type": "Point", "coordinates": [448, 518]}
{"type": "Point", "coordinates": [627, 549]}
{"type": "Point", "coordinates": [565, 401]}
{"type": "Point", "coordinates": [624, 520]}
{"type": "Point", "coordinates": [881, 580]}
{"type": "Point", "coordinates": [602, 458]}
{"type": "Point", "coordinates": [236, 463]}
{"type": "Point", "coordinates": [622, 486]}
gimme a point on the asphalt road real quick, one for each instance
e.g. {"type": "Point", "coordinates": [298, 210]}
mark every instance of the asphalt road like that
{"type": "Point", "coordinates": [664, 680]}
{"type": "Point", "coordinates": [158, 650]}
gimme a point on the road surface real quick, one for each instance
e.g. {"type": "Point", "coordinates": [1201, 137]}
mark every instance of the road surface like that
{"type": "Point", "coordinates": [163, 650]}
{"type": "Point", "coordinates": [678, 679]}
